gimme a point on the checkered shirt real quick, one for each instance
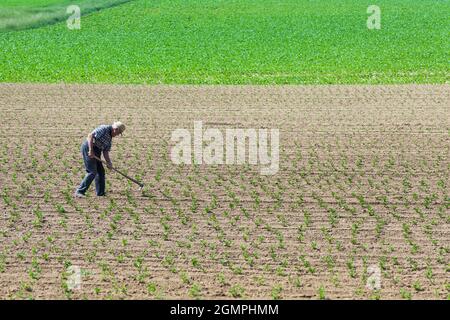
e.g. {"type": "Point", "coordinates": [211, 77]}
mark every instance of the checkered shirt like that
{"type": "Point", "coordinates": [102, 137]}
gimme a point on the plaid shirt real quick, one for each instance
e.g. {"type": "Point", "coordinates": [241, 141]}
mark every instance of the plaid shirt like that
{"type": "Point", "coordinates": [102, 137]}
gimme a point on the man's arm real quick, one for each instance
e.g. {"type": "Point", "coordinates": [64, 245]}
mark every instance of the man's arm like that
{"type": "Point", "coordinates": [90, 140]}
{"type": "Point", "coordinates": [108, 159]}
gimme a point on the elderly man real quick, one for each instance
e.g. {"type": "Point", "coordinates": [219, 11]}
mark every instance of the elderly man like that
{"type": "Point", "coordinates": [98, 141]}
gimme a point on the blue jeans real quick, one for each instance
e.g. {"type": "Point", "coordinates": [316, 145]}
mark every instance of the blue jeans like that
{"type": "Point", "coordinates": [94, 171]}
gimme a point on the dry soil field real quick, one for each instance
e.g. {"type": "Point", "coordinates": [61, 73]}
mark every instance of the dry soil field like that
{"type": "Point", "coordinates": [362, 193]}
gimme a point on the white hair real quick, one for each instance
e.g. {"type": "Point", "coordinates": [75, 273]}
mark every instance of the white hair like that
{"type": "Point", "coordinates": [119, 125]}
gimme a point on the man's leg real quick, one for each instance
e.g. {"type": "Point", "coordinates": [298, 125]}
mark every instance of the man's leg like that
{"type": "Point", "coordinates": [100, 179]}
{"type": "Point", "coordinates": [91, 170]}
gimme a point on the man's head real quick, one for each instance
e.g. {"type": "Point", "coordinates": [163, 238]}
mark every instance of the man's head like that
{"type": "Point", "coordinates": [118, 128]}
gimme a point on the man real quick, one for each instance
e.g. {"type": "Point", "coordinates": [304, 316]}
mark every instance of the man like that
{"type": "Point", "coordinates": [98, 141]}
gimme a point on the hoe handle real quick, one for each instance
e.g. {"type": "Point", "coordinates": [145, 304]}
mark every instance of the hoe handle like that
{"type": "Point", "coordinates": [123, 174]}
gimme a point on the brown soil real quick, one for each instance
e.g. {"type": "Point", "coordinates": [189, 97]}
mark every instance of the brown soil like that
{"type": "Point", "coordinates": [363, 182]}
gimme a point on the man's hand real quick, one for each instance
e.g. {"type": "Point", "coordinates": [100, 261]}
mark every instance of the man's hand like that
{"type": "Point", "coordinates": [91, 154]}
{"type": "Point", "coordinates": [109, 165]}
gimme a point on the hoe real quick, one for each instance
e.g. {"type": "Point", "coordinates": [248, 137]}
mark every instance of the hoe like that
{"type": "Point", "coordinates": [123, 174]}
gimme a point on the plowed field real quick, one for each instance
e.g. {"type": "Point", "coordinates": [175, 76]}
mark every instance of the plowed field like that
{"type": "Point", "coordinates": [361, 195]}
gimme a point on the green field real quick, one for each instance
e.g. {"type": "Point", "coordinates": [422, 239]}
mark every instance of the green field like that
{"type": "Point", "coordinates": [234, 42]}
{"type": "Point", "coordinates": [31, 3]}
{"type": "Point", "coordinates": [27, 14]}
